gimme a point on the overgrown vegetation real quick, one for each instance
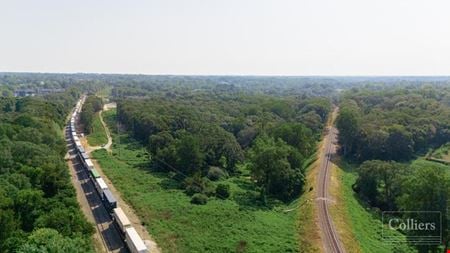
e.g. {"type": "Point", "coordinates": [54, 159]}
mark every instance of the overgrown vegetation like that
{"type": "Point", "coordinates": [194, 134]}
{"type": "Point", "coordinates": [239, 223]}
{"type": "Point", "coordinates": [98, 135]}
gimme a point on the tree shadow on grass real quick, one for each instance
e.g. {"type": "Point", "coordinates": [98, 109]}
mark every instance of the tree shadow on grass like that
{"type": "Point", "coordinates": [133, 145]}
{"type": "Point", "coordinates": [244, 185]}
{"type": "Point", "coordinates": [249, 198]}
{"type": "Point", "coordinates": [249, 201]}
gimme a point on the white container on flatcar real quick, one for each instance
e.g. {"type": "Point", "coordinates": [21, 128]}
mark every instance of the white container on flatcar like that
{"type": "Point", "coordinates": [100, 185]}
{"type": "Point", "coordinates": [134, 241]}
{"type": "Point", "coordinates": [121, 219]}
{"type": "Point", "coordinates": [89, 164]}
{"type": "Point", "coordinates": [84, 155]}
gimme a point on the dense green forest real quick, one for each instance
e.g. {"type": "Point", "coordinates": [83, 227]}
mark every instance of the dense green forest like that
{"type": "Point", "coordinates": [38, 208]}
{"type": "Point", "coordinates": [384, 131]}
{"type": "Point", "coordinates": [393, 124]}
{"type": "Point", "coordinates": [204, 137]}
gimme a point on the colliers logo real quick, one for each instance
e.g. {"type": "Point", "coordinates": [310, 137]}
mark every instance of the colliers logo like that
{"type": "Point", "coordinates": [411, 224]}
{"type": "Point", "coordinates": [415, 227]}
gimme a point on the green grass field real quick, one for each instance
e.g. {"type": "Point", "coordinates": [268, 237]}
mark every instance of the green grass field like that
{"type": "Point", "coordinates": [366, 224]}
{"type": "Point", "coordinates": [98, 136]}
{"type": "Point", "coordinates": [443, 152]}
{"type": "Point", "coordinates": [238, 224]}
{"type": "Point", "coordinates": [422, 163]}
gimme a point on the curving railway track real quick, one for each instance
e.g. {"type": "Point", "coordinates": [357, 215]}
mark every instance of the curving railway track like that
{"type": "Point", "coordinates": [330, 238]}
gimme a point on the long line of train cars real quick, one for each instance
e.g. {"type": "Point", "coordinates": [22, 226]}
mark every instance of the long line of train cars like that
{"type": "Point", "coordinates": [129, 234]}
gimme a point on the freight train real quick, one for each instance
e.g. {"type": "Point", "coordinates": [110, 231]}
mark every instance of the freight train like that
{"type": "Point", "coordinates": [132, 239]}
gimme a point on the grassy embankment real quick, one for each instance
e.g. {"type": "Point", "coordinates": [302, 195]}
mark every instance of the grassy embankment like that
{"type": "Point", "coordinates": [422, 163]}
{"type": "Point", "coordinates": [237, 224]}
{"type": "Point", "coordinates": [364, 222]}
{"type": "Point", "coordinates": [98, 136]}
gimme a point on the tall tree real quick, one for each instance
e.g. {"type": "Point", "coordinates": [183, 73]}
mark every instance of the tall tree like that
{"type": "Point", "coordinates": [426, 189]}
{"type": "Point", "coordinates": [276, 167]}
{"type": "Point", "coordinates": [348, 124]}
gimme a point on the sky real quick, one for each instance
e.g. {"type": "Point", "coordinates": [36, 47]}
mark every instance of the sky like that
{"type": "Point", "coordinates": [226, 37]}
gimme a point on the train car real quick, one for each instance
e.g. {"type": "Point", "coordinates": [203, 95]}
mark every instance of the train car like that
{"type": "Point", "coordinates": [100, 185]}
{"type": "Point", "coordinates": [134, 241]}
{"type": "Point", "coordinates": [82, 153]}
{"type": "Point", "coordinates": [78, 144]}
{"type": "Point", "coordinates": [109, 200]}
{"type": "Point", "coordinates": [94, 174]}
{"type": "Point", "coordinates": [88, 164]}
{"type": "Point", "coordinates": [121, 219]}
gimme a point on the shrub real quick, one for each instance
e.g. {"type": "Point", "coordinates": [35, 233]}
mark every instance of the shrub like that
{"type": "Point", "coordinates": [193, 185]}
{"type": "Point", "coordinates": [210, 189]}
{"type": "Point", "coordinates": [199, 199]}
{"type": "Point", "coordinates": [223, 191]}
{"type": "Point", "coordinates": [215, 173]}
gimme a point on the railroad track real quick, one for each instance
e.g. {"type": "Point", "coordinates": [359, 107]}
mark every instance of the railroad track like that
{"type": "Point", "coordinates": [109, 234]}
{"type": "Point", "coordinates": [330, 238]}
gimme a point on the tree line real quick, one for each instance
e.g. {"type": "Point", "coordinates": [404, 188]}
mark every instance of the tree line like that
{"type": "Point", "coordinates": [91, 106]}
{"type": "Point", "coordinates": [393, 124]}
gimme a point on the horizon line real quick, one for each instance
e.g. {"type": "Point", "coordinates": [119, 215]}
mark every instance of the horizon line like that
{"type": "Point", "coordinates": [224, 75]}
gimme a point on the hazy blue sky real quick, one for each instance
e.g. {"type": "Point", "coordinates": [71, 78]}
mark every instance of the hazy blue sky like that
{"type": "Point", "coordinates": [262, 37]}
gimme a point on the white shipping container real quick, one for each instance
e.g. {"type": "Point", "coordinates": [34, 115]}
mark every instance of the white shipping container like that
{"type": "Point", "coordinates": [100, 185]}
{"type": "Point", "coordinates": [134, 241]}
{"type": "Point", "coordinates": [89, 164]}
{"type": "Point", "coordinates": [121, 219]}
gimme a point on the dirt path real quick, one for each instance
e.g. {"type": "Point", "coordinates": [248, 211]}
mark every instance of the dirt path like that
{"type": "Point", "coordinates": [107, 146]}
{"type": "Point", "coordinates": [134, 219]}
